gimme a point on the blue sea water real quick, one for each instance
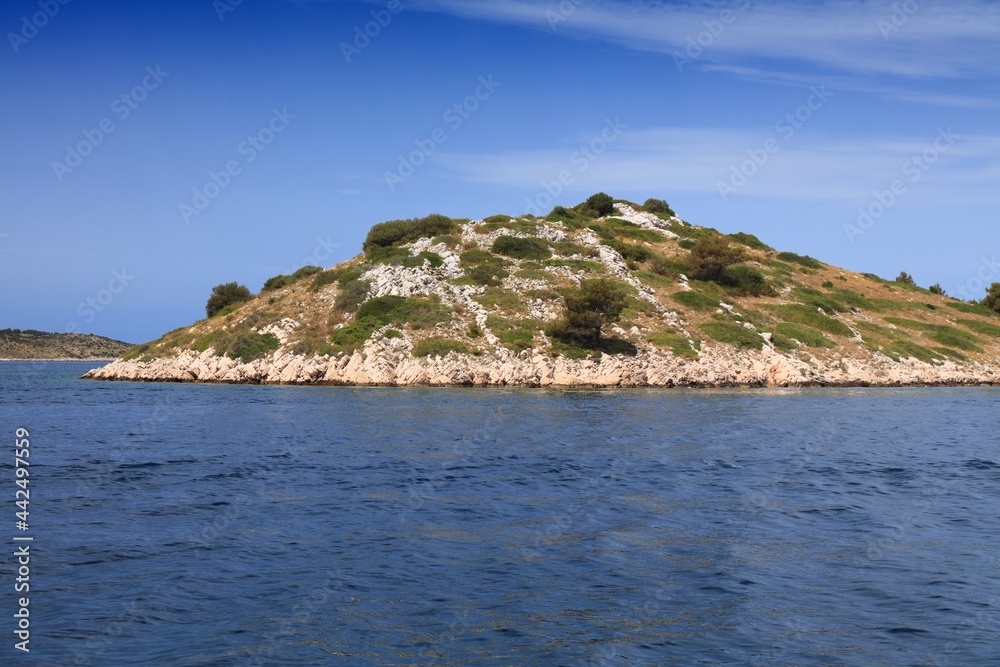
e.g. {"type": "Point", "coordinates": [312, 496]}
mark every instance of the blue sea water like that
{"type": "Point", "coordinates": [243, 525]}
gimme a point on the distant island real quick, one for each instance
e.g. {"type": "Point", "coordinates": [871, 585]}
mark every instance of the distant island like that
{"type": "Point", "coordinates": [18, 345]}
{"type": "Point", "coordinates": [607, 293]}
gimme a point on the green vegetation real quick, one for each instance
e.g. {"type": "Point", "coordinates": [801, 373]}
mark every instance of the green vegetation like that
{"type": "Point", "coordinates": [342, 276]}
{"type": "Point", "coordinates": [750, 241]}
{"type": "Point", "coordinates": [281, 281]}
{"type": "Point", "coordinates": [971, 308]}
{"type": "Point", "coordinates": [522, 248]}
{"type": "Point", "coordinates": [710, 255]}
{"type": "Point", "coordinates": [438, 347]}
{"type": "Point", "coordinates": [227, 294]}
{"type": "Point", "coordinates": [905, 278]}
{"type": "Point", "coordinates": [618, 227]}
{"type": "Point", "coordinates": [396, 256]}
{"type": "Point", "coordinates": [805, 335]}
{"type": "Point", "coordinates": [801, 314]}
{"type": "Point", "coordinates": [595, 303]}
{"type": "Point", "coordinates": [802, 260]}
{"type": "Point", "coordinates": [246, 346]}
{"type": "Point", "coordinates": [984, 328]}
{"type": "Point", "coordinates": [352, 295]}
{"type": "Point", "coordinates": [398, 232]}
{"type": "Point", "coordinates": [676, 343]}
{"type": "Point", "coordinates": [658, 206]}
{"type": "Point", "coordinates": [353, 335]}
{"type": "Point", "coordinates": [992, 298]}
{"type": "Point", "coordinates": [517, 336]}
{"type": "Point", "coordinates": [497, 298]}
{"type": "Point", "coordinates": [483, 268]}
{"type": "Point", "coordinates": [417, 313]}
{"type": "Point", "coordinates": [599, 205]}
{"type": "Point", "coordinates": [447, 239]}
{"type": "Point", "coordinates": [696, 301]}
{"type": "Point", "coordinates": [745, 281]}
{"type": "Point", "coordinates": [946, 335]}
{"type": "Point", "coordinates": [630, 252]}
{"type": "Point", "coordinates": [733, 334]}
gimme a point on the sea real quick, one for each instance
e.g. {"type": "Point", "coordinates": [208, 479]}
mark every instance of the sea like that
{"type": "Point", "coordinates": [203, 525]}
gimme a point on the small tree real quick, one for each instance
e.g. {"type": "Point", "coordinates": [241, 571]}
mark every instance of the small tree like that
{"type": "Point", "coordinates": [224, 295]}
{"type": "Point", "coordinates": [601, 204]}
{"type": "Point", "coordinates": [936, 289]}
{"type": "Point", "coordinates": [905, 278]}
{"type": "Point", "coordinates": [992, 298]}
{"type": "Point", "coordinates": [710, 256]}
{"type": "Point", "coordinates": [589, 307]}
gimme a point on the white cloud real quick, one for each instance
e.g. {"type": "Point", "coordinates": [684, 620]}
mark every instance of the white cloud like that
{"type": "Point", "coordinates": [836, 36]}
{"type": "Point", "coordinates": [698, 159]}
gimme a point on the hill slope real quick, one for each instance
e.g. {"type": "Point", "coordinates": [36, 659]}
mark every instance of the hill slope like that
{"type": "Point", "coordinates": [445, 302]}
{"type": "Point", "coordinates": [31, 344]}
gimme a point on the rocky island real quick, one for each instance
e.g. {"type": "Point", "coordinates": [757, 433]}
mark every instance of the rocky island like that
{"type": "Point", "coordinates": [608, 293]}
{"type": "Point", "coordinates": [32, 345]}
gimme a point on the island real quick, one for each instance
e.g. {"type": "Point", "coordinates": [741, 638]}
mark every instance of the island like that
{"type": "Point", "coordinates": [607, 293]}
{"type": "Point", "coordinates": [32, 345]}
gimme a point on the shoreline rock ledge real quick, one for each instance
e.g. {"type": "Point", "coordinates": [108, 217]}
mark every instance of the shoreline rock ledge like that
{"type": "Point", "coordinates": [387, 362]}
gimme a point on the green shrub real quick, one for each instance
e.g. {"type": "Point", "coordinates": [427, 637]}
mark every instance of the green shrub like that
{"type": "Point", "coordinates": [418, 313]}
{"type": "Point", "coordinates": [276, 283]}
{"type": "Point", "coordinates": [801, 314]}
{"type": "Point", "coordinates": [981, 327]}
{"type": "Point", "coordinates": [676, 343]}
{"type": "Point", "coordinates": [571, 248]}
{"type": "Point", "coordinates": [905, 278]}
{"type": "Point", "coordinates": [620, 227]}
{"type": "Point", "coordinates": [733, 334]}
{"type": "Point", "coordinates": [971, 308]}
{"type": "Point", "coordinates": [500, 217]}
{"type": "Point", "coordinates": [803, 260]}
{"type": "Point", "coordinates": [666, 267]}
{"type": "Point", "coordinates": [827, 284]}
{"type": "Point", "coordinates": [745, 280]}
{"type": "Point", "coordinates": [517, 336]}
{"type": "Point", "coordinates": [992, 298]}
{"type": "Point", "coordinates": [353, 335]}
{"type": "Point", "coordinates": [447, 239]}
{"type": "Point", "coordinates": [247, 346]}
{"type": "Point", "coordinates": [696, 301]}
{"type": "Point", "coordinates": [936, 289]}
{"type": "Point", "coordinates": [438, 347]}
{"type": "Point", "coordinates": [561, 214]}
{"type": "Point", "coordinates": [811, 297]}
{"type": "Point", "coordinates": [600, 204]}
{"type": "Point", "coordinates": [522, 248]}
{"type": "Point", "coordinates": [750, 241]}
{"type": "Point", "coordinates": [483, 268]}
{"type": "Point", "coordinates": [352, 295]}
{"type": "Point", "coordinates": [392, 333]}
{"type": "Point", "coordinates": [474, 331]}
{"type": "Point", "coordinates": [710, 255]}
{"type": "Point", "coordinates": [805, 335]}
{"type": "Point", "coordinates": [306, 271]}
{"type": "Point", "coordinates": [657, 206]}
{"type": "Point", "coordinates": [397, 232]}
{"type": "Point", "coordinates": [226, 294]}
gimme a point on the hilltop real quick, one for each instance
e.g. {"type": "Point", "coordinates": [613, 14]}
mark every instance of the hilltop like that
{"type": "Point", "coordinates": [31, 344]}
{"type": "Point", "coordinates": [607, 293]}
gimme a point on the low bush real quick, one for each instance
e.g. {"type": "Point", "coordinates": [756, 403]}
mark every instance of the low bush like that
{"type": "Point", "coordinates": [447, 239]}
{"type": "Point", "coordinates": [246, 346]}
{"type": "Point", "coordinates": [805, 335]}
{"type": "Point", "coordinates": [657, 206]}
{"type": "Point", "coordinates": [633, 253]}
{"type": "Point", "coordinates": [696, 301]}
{"type": "Point", "coordinates": [676, 343]}
{"type": "Point", "coordinates": [733, 334]}
{"type": "Point", "coordinates": [802, 260]}
{"type": "Point", "coordinates": [417, 313]}
{"type": "Point", "coordinates": [353, 335]}
{"type": "Point", "coordinates": [600, 204]}
{"type": "Point", "coordinates": [517, 336]}
{"type": "Point", "coordinates": [522, 248]}
{"type": "Point", "coordinates": [397, 232]}
{"type": "Point", "coordinates": [801, 314]}
{"type": "Point", "coordinates": [750, 241]}
{"type": "Point", "coordinates": [438, 347]}
{"type": "Point", "coordinates": [745, 281]}
{"type": "Point", "coordinates": [352, 295]}
{"type": "Point", "coordinates": [276, 283]}
{"type": "Point", "coordinates": [981, 327]}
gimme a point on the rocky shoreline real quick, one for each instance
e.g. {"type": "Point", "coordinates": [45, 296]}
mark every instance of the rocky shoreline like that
{"type": "Point", "coordinates": [387, 362]}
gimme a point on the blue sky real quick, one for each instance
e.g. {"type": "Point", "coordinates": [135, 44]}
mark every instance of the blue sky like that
{"type": "Point", "coordinates": [151, 150]}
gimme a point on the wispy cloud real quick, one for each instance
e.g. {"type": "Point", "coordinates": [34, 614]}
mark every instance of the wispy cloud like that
{"type": "Point", "coordinates": [698, 159]}
{"type": "Point", "coordinates": [845, 37]}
